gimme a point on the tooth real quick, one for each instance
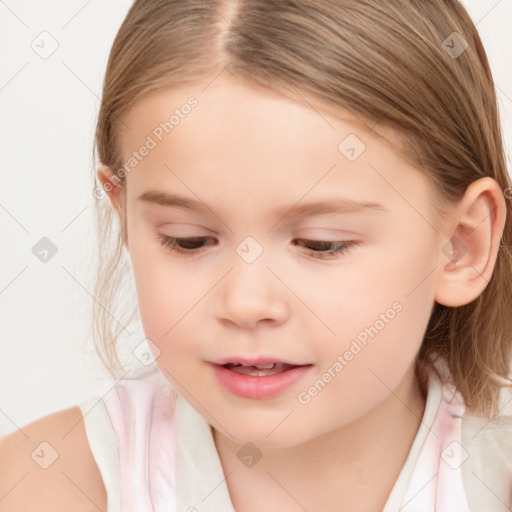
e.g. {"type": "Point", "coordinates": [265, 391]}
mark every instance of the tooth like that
{"type": "Point", "coordinates": [265, 366]}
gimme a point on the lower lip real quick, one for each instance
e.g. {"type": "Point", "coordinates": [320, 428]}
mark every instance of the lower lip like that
{"type": "Point", "coordinates": [250, 386]}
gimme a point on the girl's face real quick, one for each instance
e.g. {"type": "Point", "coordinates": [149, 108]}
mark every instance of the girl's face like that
{"type": "Point", "coordinates": [240, 166]}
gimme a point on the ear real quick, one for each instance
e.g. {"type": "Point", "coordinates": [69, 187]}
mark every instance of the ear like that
{"type": "Point", "coordinates": [109, 184]}
{"type": "Point", "coordinates": [470, 255]}
{"type": "Point", "coordinates": [108, 181]}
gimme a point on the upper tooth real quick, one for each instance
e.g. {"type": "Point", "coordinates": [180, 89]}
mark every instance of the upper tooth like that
{"type": "Point", "coordinates": [264, 366]}
{"type": "Point", "coordinates": [268, 366]}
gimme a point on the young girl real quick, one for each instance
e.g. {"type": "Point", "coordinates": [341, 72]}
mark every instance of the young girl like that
{"type": "Point", "coordinates": [314, 200]}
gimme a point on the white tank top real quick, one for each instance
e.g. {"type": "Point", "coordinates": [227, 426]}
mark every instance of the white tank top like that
{"type": "Point", "coordinates": [155, 452]}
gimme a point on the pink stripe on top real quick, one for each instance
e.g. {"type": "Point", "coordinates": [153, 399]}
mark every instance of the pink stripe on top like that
{"type": "Point", "coordinates": [142, 415]}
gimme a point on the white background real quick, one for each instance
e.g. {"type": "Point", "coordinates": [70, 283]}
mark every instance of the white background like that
{"type": "Point", "coordinates": [48, 113]}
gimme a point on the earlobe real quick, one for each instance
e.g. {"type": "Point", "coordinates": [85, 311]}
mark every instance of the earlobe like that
{"type": "Point", "coordinates": [469, 256]}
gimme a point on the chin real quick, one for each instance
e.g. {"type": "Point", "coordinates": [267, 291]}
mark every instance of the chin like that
{"type": "Point", "coordinates": [265, 434]}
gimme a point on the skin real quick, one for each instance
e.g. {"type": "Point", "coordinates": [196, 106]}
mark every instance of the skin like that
{"type": "Point", "coordinates": [244, 151]}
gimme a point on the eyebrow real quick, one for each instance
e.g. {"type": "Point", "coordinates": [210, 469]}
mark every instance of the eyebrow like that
{"type": "Point", "coordinates": [336, 205]}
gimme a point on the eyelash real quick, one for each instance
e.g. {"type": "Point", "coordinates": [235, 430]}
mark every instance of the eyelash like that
{"type": "Point", "coordinates": [341, 247]}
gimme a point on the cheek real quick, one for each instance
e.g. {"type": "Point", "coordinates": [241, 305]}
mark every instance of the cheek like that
{"type": "Point", "coordinates": [368, 288]}
{"type": "Point", "coordinates": [165, 292]}
{"type": "Point", "coordinates": [167, 302]}
{"type": "Point", "coordinates": [377, 314]}
{"type": "Point", "coordinates": [369, 357]}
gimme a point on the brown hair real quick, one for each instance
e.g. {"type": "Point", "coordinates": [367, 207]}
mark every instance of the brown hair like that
{"type": "Point", "coordinates": [388, 63]}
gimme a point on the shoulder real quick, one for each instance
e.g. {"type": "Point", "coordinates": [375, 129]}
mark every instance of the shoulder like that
{"type": "Point", "coordinates": [497, 429]}
{"type": "Point", "coordinates": [48, 465]}
{"type": "Point", "coordinates": [487, 461]}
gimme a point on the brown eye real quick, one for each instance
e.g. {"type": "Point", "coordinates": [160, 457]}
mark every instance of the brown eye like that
{"type": "Point", "coordinates": [183, 245]}
{"type": "Point", "coordinates": [328, 248]}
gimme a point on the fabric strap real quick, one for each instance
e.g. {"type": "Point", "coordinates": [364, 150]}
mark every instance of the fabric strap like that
{"type": "Point", "coordinates": [436, 483]}
{"type": "Point", "coordinates": [142, 415]}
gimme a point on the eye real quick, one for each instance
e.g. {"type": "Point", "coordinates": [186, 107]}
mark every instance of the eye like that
{"type": "Point", "coordinates": [324, 249]}
{"type": "Point", "coordinates": [182, 245]}
{"type": "Point", "coordinates": [319, 248]}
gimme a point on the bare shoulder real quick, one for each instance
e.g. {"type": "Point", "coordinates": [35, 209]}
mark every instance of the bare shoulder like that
{"type": "Point", "coordinates": [48, 465]}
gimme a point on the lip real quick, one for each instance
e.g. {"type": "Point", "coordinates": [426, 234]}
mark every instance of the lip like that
{"type": "Point", "coordinates": [260, 388]}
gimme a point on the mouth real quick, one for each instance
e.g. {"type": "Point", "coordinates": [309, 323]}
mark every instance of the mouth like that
{"type": "Point", "coordinates": [259, 370]}
{"type": "Point", "coordinates": [258, 378]}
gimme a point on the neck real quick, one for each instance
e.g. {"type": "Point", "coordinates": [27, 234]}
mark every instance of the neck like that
{"type": "Point", "coordinates": [351, 468]}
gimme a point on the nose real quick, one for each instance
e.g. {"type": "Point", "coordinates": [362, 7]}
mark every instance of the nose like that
{"type": "Point", "coordinates": [251, 294]}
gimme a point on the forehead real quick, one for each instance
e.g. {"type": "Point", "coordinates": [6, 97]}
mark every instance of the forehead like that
{"type": "Point", "coordinates": [230, 109]}
{"type": "Point", "coordinates": [240, 140]}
